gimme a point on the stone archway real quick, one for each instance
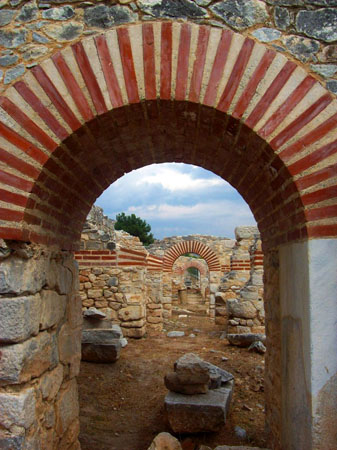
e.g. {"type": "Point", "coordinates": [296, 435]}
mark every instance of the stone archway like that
{"type": "Point", "coordinates": [195, 264]}
{"type": "Point", "coordinates": [161, 92]}
{"type": "Point", "coordinates": [199, 248]}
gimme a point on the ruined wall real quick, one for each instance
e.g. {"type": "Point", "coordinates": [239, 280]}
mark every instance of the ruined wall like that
{"type": "Point", "coordinates": [130, 277]}
{"type": "Point", "coordinates": [304, 30]}
{"type": "Point", "coordinates": [240, 302]}
{"type": "Point", "coordinates": [40, 347]}
{"type": "Point", "coordinates": [114, 277]}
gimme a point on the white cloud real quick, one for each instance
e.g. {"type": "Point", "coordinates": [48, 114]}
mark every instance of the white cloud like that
{"type": "Point", "coordinates": [198, 211]}
{"type": "Point", "coordinates": [178, 199]}
{"type": "Point", "coordinates": [172, 177]}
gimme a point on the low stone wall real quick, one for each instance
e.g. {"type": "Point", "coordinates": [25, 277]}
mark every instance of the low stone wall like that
{"type": "Point", "coordinates": [40, 347]}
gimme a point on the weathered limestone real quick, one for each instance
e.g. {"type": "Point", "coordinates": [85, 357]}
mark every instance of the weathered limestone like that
{"type": "Point", "coordinates": [165, 441]}
{"type": "Point", "coordinates": [199, 397]}
{"type": "Point", "coordinates": [239, 304]}
{"type": "Point", "coordinates": [198, 413]}
{"type": "Point", "coordinates": [101, 346]}
{"type": "Point", "coordinates": [40, 332]}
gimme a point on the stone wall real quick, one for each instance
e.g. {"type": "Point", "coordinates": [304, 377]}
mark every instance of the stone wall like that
{"type": "Point", "coordinates": [40, 347]}
{"type": "Point", "coordinates": [302, 29]}
{"type": "Point", "coordinates": [114, 277]}
{"type": "Point", "coordinates": [112, 280]}
{"type": "Point", "coordinates": [120, 293]}
{"type": "Point", "coordinates": [240, 303]}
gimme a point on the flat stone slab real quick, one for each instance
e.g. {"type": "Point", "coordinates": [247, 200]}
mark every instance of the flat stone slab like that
{"type": "Point", "coordinates": [101, 335]}
{"type": "Point", "coordinates": [102, 346]}
{"type": "Point", "coordinates": [175, 334]}
{"type": "Point", "coordinates": [245, 339]}
{"type": "Point", "coordinates": [89, 323]}
{"type": "Point", "coordinates": [198, 413]}
{"type": "Point", "coordinates": [94, 313]}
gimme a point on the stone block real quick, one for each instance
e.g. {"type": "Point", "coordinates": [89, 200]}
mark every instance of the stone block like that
{"type": "Point", "coordinates": [134, 299]}
{"type": "Point", "coordinates": [60, 275]}
{"type": "Point", "coordinates": [66, 407]}
{"type": "Point", "coordinates": [101, 303]}
{"type": "Point", "coordinates": [136, 333]}
{"type": "Point", "coordinates": [246, 339]}
{"type": "Point", "coordinates": [105, 351]}
{"type": "Point", "coordinates": [319, 24]}
{"type": "Point", "coordinates": [113, 281]}
{"type": "Point", "coordinates": [173, 384]}
{"type": "Point", "coordinates": [246, 233]}
{"type": "Point", "coordinates": [53, 307]}
{"type": "Point", "coordinates": [29, 359]}
{"type": "Point", "coordinates": [242, 309]}
{"type": "Point", "coordinates": [165, 441]}
{"type": "Point", "coordinates": [19, 318]}
{"type": "Point", "coordinates": [10, 442]}
{"type": "Point", "coordinates": [74, 311]}
{"type": "Point", "coordinates": [95, 293]}
{"type": "Point", "coordinates": [99, 336]}
{"type": "Point", "coordinates": [17, 408]}
{"type": "Point", "coordinates": [221, 311]}
{"type": "Point", "coordinates": [153, 319]}
{"type": "Point", "coordinates": [154, 306]}
{"type": "Point", "coordinates": [134, 324]}
{"type": "Point", "coordinates": [89, 324]}
{"type": "Point", "coordinates": [191, 369]}
{"type": "Point", "coordinates": [51, 382]}
{"type": "Point", "coordinates": [135, 312]}
{"type": "Point", "coordinates": [69, 344]}
{"type": "Point", "coordinates": [20, 276]}
{"type": "Point", "coordinates": [198, 413]}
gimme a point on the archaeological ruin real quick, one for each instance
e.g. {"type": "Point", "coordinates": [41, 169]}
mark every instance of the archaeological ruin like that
{"type": "Point", "coordinates": [92, 90]}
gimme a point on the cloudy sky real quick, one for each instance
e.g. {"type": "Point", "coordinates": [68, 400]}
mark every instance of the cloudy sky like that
{"type": "Point", "coordinates": [178, 199]}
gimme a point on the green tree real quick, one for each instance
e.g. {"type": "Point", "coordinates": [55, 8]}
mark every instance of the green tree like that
{"type": "Point", "coordinates": [136, 226]}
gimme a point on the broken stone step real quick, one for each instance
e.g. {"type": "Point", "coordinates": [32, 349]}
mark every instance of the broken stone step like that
{"type": "Point", "coordinates": [198, 413]}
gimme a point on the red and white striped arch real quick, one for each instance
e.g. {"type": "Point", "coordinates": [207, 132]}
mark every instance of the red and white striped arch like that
{"type": "Point", "coordinates": [196, 264]}
{"type": "Point", "coordinates": [161, 92]}
{"type": "Point", "coordinates": [197, 247]}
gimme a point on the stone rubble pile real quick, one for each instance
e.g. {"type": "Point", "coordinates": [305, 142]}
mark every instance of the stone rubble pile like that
{"type": "Point", "coordinates": [199, 395]}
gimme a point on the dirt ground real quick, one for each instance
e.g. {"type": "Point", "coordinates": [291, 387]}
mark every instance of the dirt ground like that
{"type": "Point", "coordinates": [122, 404]}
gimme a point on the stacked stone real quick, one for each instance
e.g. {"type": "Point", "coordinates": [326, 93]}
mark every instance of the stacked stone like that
{"type": "Point", "coordinates": [120, 293]}
{"type": "Point", "coordinates": [40, 335]}
{"type": "Point", "coordinates": [154, 307]}
{"type": "Point", "coordinates": [199, 397]}
{"type": "Point", "coordinates": [167, 295]}
{"type": "Point", "coordinates": [98, 231]}
{"type": "Point", "coordinates": [240, 300]}
{"type": "Point", "coordinates": [101, 340]}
